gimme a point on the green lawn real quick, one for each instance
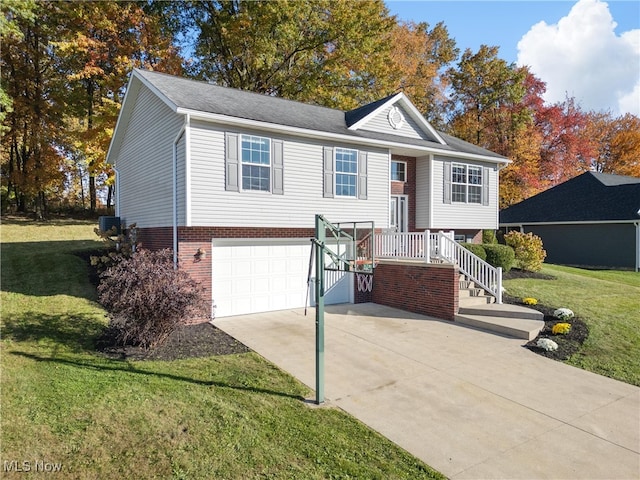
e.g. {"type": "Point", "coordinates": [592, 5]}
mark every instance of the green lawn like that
{"type": "Point", "coordinates": [233, 416]}
{"type": "Point", "coordinates": [608, 301]}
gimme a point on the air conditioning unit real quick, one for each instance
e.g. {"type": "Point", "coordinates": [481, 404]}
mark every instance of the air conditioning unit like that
{"type": "Point", "coordinates": [106, 223]}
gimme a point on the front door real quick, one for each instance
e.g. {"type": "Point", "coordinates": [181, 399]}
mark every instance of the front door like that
{"type": "Point", "coordinates": [398, 213]}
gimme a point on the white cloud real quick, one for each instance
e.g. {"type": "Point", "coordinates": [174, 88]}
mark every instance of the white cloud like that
{"type": "Point", "coordinates": [581, 56]}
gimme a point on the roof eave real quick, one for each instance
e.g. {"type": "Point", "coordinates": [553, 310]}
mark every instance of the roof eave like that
{"type": "Point", "coordinates": [568, 222]}
{"type": "Point", "coordinates": [415, 114]}
{"type": "Point", "coordinates": [309, 133]}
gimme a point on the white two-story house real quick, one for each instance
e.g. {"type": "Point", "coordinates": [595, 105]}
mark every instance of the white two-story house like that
{"type": "Point", "coordinates": [231, 181]}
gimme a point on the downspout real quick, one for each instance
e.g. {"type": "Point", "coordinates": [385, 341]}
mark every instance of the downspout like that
{"type": "Point", "coordinates": [175, 191]}
{"type": "Point", "coordinates": [637, 224]}
{"type": "Point", "coordinates": [117, 196]}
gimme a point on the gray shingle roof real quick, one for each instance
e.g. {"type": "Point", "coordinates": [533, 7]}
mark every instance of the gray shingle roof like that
{"type": "Point", "coordinates": [590, 197]}
{"type": "Point", "coordinates": [204, 97]}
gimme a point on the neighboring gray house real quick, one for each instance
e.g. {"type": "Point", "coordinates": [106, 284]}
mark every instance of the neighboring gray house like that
{"type": "Point", "coordinates": [239, 177]}
{"type": "Point", "coordinates": [590, 220]}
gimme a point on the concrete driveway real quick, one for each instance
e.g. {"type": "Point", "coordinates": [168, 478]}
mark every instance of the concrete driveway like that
{"type": "Point", "coordinates": [470, 404]}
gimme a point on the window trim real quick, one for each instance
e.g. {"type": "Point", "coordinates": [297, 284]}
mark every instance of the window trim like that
{"type": "Point", "coordinates": [337, 172]}
{"type": "Point", "coordinates": [404, 173]}
{"type": "Point", "coordinates": [242, 163]}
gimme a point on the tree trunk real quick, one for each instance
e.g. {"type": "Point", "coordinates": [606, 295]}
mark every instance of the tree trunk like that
{"type": "Point", "coordinates": [92, 178]}
{"type": "Point", "coordinates": [92, 193]}
{"type": "Point", "coordinates": [109, 196]}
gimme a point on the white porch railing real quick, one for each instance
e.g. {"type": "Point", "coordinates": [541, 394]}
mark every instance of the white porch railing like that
{"type": "Point", "coordinates": [440, 246]}
{"type": "Point", "coordinates": [407, 245]}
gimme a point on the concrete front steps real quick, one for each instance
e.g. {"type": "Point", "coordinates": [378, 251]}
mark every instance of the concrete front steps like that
{"type": "Point", "coordinates": [478, 310]}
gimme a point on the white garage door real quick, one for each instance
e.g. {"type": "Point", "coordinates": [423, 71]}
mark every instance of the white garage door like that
{"type": "Point", "coordinates": [267, 275]}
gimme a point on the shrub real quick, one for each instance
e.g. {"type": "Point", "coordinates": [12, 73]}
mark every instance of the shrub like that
{"type": "Point", "coordinates": [489, 236]}
{"type": "Point", "coordinates": [476, 249]}
{"type": "Point", "coordinates": [563, 313]}
{"type": "Point", "coordinates": [147, 298]}
{"type": "Point", "coordinates": [529, 253]}
{"type": "Point", "coordinates": [547, 344]}
{"type": "Point", "coordinates": [500, 256]}
{"type": "Point", "coordinates": [116, 249]}
{"type": "Point", "coordinates": [561, 328]}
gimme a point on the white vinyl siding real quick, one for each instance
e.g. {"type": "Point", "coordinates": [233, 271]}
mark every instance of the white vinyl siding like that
{"type": "Point", "coordinates": [181, 180]}
{"type": "Point", "coordinates": [302, 180]}
{"type": "Point", "coordinates": [145, 163]}
{"type": "Point", "coordinates": [464, 215]}
{"type": "Point", "coordinates": [409, 128]}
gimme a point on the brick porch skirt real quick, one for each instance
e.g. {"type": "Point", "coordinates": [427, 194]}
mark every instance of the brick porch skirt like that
{"type": "Point", "coordinates": [425, 288]}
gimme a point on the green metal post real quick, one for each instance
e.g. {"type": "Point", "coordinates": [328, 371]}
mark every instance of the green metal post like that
{"type": "Point", "coordinates": [319, 245]}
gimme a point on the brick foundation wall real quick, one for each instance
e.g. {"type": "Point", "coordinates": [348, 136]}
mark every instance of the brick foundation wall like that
{"type": "Point", "coordinates": [194, 239]}
{"type": "Point", "coordinates": [155, 238]}
{"type": "Point", "coordinates": [427, 289]}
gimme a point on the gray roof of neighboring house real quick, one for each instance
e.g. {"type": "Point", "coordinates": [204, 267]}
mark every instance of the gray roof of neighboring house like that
{"type": "Point", "coordinates": [590, 197]}
{"type": "Point", "coordinates": [204, 97]}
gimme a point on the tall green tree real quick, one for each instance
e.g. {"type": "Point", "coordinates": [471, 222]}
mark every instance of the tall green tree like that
{"type": "Point", "coordinates": [485, 88]}
{"type": "Point", "coordinates": [14, 14]}
{"type": "Point", "coordinates": [330, 52]}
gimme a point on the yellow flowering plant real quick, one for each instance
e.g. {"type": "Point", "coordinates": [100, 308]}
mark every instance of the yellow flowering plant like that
{"type": "Point", "coordinates": [529, 301]}
{"type": "Point", "coordinates": [561, 328]}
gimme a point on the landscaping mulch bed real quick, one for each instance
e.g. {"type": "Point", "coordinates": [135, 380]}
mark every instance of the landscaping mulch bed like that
{"type": "Point", "coordinates": [569, 343]}
{"type": "Point", "coordinates": [188, 341]}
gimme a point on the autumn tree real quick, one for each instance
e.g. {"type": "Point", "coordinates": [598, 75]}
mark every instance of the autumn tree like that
{"type": "Point", "coordinates": [567, 148]}
{"type": "Point", "coordinates": [494, 109]}
{"type": "Point", "coordinates": [485, 88]}
{"type": "Point", "coordinates": [104, 41]}
{"type": "Point", "coordinates": [419, 55]}
{"type": "Point", "coordinates": [618, 143]}
{"type": "Point", "coordinates": [30, 162]}
{"type": "Point", "coordinates": [65, 72]}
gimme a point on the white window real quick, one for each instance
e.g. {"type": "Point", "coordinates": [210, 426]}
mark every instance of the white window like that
{"type": "Point", "coordinates": [256, 163]}
{"type": "Point", "coordinates": [399, 171]}
{"type": "Point", "coordinates": [346, 172]}
{"type": "Point", "coordinates": [466, 183]}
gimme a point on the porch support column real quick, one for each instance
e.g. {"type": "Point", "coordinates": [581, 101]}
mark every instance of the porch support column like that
{"type": "Point", "coordinates": [427, 246]}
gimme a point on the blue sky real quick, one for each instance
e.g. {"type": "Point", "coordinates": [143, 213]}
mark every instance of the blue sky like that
{"type": "Point", "coordinates": [578, 50]}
